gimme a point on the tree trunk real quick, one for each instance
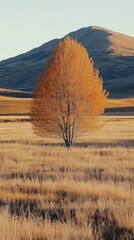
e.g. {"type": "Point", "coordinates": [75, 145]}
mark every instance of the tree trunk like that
{"type": "Point", "coordinates": [68, 143]}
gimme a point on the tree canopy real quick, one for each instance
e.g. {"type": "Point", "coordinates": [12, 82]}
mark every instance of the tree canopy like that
{"type": "Point", "coordinates": [69, 95]}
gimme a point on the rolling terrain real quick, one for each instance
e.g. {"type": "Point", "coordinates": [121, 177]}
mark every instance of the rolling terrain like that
{"type": "Point", "coordinates": [113, 54]}
{"type": "Point", "coordinates": [13, 106]}
{"type": "Point", "coordinates": [49, 192]}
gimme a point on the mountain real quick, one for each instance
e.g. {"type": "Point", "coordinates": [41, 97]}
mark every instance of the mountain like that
{"type": "Point", "coordinates": [14, 93]}
{"type": "Point", "coordinates": [112, 52]}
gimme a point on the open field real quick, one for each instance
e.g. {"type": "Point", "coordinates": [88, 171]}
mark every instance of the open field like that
{"type": "Point", "coordinates": [116, 103]}
{"type": "Point", "coordinates": [49, 192]}
{"type": "Point", "coordinates": [17, 106]}
{"type": "Point", "coordinates": [21, 106]}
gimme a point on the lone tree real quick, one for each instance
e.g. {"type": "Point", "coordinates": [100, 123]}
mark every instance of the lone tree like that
{"type": "Point", "coordinates": [69, 95]}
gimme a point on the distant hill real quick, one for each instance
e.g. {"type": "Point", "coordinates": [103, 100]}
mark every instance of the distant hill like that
{"type": "Point", "coordinates": [14, 93]}
{"type": "Point", "coordinates": [113, 54]}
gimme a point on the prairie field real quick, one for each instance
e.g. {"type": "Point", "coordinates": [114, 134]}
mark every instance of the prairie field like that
{"type": "Point", "coordinates": [21, 106]}
{"type": "Point", "coordinates": [13, 106]}
{"type": "Point", "coordinates": [49, 192]}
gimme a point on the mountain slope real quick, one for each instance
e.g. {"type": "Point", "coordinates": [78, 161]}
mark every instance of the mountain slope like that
{"type": "Point", "coordinates": [113, 54]}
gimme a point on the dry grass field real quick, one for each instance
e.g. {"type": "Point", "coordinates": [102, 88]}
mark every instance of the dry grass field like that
{"type": "Point", "coordinates": [49, 192]}
{"type": "Point", "coordinates": [11, 106]}
{"type": "Point", "coordinates": [115, 103]}
{"type": "Point", "coordinates": [21, 106]}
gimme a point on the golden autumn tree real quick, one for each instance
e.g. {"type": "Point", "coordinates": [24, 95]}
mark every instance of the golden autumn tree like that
{"type": "Point", "coordinates": [69, 95]}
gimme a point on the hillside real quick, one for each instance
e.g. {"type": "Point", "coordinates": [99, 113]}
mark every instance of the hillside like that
{"type": "Point", "coordinates": [19, 106]}
{"type": "Point", "coordinates": [14, 93]}
{"type": "Point", "coordinates": [113, 54]}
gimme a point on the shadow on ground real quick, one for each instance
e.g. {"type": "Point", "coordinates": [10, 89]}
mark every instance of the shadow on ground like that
{"type": "Point", "coordinates": [127, 143]}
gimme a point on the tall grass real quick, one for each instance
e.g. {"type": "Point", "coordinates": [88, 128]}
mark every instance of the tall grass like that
{"type": "Point", "coordinates": [48, 192]}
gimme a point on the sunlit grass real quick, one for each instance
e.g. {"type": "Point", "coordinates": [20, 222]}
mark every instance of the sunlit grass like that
{"type": "Point", "coordinates": [49, 192]}
{"type": "Point", "coordinates": [10, 105]}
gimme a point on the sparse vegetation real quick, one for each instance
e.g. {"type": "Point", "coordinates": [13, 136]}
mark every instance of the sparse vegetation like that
{"type": "Point", "coordinates": [47, 192]}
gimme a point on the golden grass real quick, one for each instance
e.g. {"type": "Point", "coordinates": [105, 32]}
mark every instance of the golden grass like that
{"type": "Point", "coordinates": [18, 228]}
{"type": "Point", "coordinates": [49, 192]}
{"type": "Point", "coordinates": [10, 105]}
{"type": "Point", "coordinates": [126, 102]}
{"type": "Point", "coordinates": [14, 105]}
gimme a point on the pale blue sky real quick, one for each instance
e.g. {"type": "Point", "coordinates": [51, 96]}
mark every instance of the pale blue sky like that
{"type": "Point", "coordinates": [25, 24]}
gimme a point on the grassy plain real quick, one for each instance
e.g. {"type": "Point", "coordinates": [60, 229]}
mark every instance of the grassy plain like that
{"type": "Point", "coordinates": [18, 106]}
{"type": "Point", "coordinates": [48, 192]}
{"type": "Point", "coordinates": [21, 106]}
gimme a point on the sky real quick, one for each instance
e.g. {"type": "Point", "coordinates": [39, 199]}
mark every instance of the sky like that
{"type": "Point", "coordinates": [26, 24]}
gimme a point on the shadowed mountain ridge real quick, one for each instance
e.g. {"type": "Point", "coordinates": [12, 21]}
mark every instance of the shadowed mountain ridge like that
{"type": "Point", "coordinates": [113, 54]}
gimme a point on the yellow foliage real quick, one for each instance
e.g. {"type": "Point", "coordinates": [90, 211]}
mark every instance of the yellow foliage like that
{"type": "Point", "coordinates": [69, 95]}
